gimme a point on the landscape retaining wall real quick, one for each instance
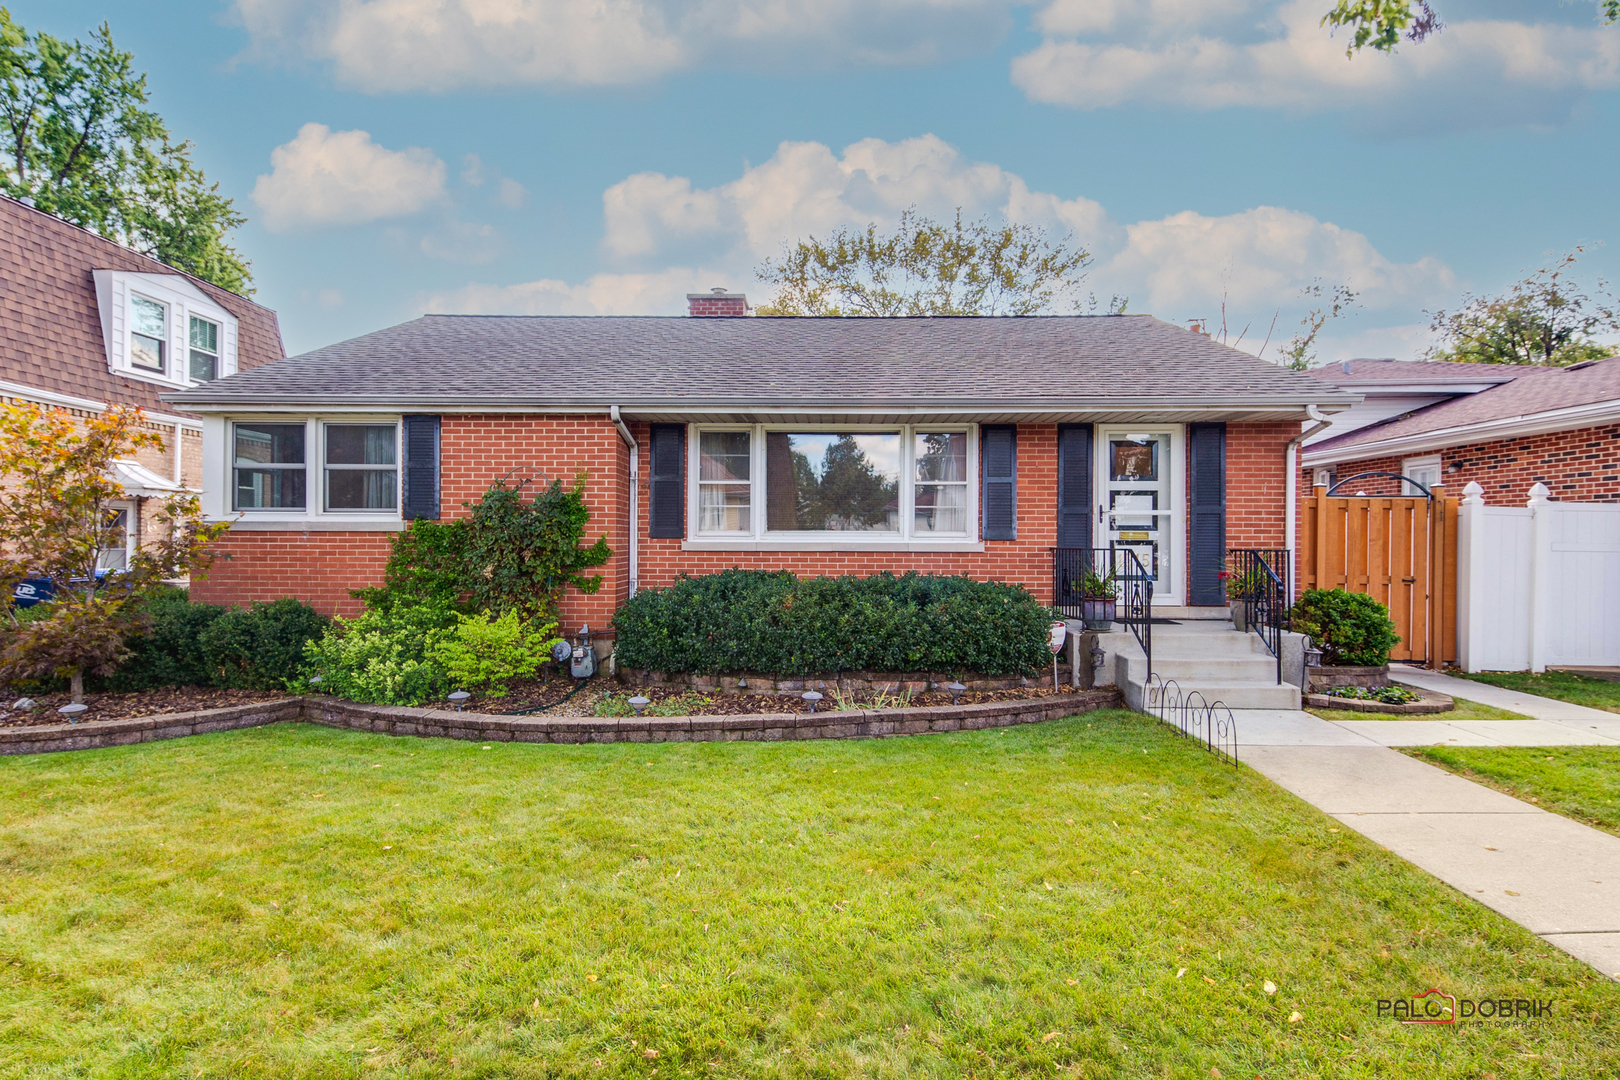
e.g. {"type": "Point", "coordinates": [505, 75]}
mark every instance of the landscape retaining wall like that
{"type": "Point", "coordinates": [485, 727]}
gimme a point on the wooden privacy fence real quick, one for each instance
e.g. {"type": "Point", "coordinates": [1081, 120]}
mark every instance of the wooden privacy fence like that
{"type": "Point", "coordinates": [1398, 549]}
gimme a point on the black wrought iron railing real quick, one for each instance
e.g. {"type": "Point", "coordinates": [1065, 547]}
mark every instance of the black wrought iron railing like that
{"type": "Point", "coordinates": [1207, 722]}
{"type": "Point", "coordinates": [1259, 578]}
{"type": "Point", "coordinates": [1122, 586]}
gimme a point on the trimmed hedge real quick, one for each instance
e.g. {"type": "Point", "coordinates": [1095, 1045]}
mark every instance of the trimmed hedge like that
{"type": "Point", "coordinates": [774, 623]}
{"type": "Point", "coordinates": [184, 644]}
{"type": "Point", "coordinates": [1350, 628]}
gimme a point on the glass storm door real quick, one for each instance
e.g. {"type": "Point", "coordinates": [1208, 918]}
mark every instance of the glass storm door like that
{"type": "Point", "coordinates": [1139, 509]}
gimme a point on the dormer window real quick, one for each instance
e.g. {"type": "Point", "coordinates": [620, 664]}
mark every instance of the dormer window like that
{"type": "Point", "coordinates": [163, 328]}
{"type": "Point", "coordinates": [148, 333]}
{"type": "Point", "coordinates": [204, 349]}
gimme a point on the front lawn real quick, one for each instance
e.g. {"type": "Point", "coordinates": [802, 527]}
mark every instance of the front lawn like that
{"type": "Point", "coordinates": [1563, 685]}
{"type": "Point", "coordinates": [1582, 782]}
{"type": "Point", "coordinates": [1094, 897]}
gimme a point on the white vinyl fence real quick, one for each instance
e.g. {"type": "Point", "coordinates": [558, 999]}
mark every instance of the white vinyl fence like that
{"type": "Point", "coordinates": [1537, 586]}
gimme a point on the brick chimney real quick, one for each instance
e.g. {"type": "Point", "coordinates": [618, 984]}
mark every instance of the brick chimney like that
{"type": "Point", "coordinates": [716, 302]}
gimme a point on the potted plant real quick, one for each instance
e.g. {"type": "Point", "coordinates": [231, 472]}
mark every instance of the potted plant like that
{"type": "Point", "coordinates": [1240, 591]}
{"type": "Point", "coordinates": [1098, 595]}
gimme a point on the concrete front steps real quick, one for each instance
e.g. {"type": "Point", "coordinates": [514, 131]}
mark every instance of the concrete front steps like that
{"type": "Point", "coordinates": [1212, 658]}
{"type": "Point", "coordinates": [1201, 652]}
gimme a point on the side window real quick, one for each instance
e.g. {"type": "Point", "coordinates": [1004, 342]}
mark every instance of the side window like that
{"type": "Point", "coordinates": [268, 466]}
{"type": "Point", "coordinates": [204, 350]}
{"type": "Point", "coordinates": [148, 334]}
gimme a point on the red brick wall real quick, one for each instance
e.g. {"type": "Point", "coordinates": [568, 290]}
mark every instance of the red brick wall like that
{"type": "Point", "coordinates": [1576, 466]}
{"type": "Point", "coordinates": [321, 567]}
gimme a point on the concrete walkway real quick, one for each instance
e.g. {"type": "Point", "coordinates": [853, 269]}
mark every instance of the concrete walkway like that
{"type": "Point", "coordinates": [1556, 877]}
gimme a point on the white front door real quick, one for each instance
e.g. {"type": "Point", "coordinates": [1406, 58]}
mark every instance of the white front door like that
{"type": "Point", "coordinates": [1141, 490]}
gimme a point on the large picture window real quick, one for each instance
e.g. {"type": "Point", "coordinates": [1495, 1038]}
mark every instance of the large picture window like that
{"type": "Point", "coordinates": [268, 466]}
{"type": "Point", "coordinates": [849, 486]}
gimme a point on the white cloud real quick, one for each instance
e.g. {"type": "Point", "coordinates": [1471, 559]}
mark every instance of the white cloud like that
{"type": "Point", "coordinates": [387, 45]}
{"type": "Point", "coordinates": [509, 193]}
{"type": "Point", "coordinates": [657, 228]}
{"type": "Point", "coordinates": [326, 177]}
{"type": "Point", "coordinates": [1261, 258]}
{"type": "Point", "coordinates": [1177, 54]}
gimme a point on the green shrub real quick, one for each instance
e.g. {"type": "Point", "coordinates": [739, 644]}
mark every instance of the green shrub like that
{"type": "Point", "coordinates": [1350, 628]}
{"type": "Point", "coordinates": [383, 657]}
{"type": "Point", "coordinates": [260, 647]}
{"type": "Point", "coordinates": [427, 564]}
{"type": "Point", "coordinates": [482, 652]}
{"type": "Point", "coordinates": [168, 651]}
{"type": "Point", "coordinates": [777, 624]}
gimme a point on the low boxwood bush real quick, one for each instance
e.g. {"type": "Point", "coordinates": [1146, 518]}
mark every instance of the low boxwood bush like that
{"type": "Point", "coordinates": [1350, 628]}
{"type": "Point", "coordinates": [775, 623]}
{"type": "Point", "coordinates": [186, 644]}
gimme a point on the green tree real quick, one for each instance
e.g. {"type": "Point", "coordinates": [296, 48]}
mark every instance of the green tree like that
{"type": "Point", "coordinates": [80, 143]}
{"type": "Point", "coordinates": [925, 267]}
{"type": "Point", "coordinates": [1544, 319]}
{"type": "Point", "coordinates": [1382, 23]}
{"type": "Point", "coordinates": [1299, 354]}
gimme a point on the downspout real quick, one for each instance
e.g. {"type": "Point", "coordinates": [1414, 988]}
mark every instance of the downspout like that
{"type": "Point", "coordinates": [1291, 487]}
{"type": "Point", "coordinates": [635, 493]}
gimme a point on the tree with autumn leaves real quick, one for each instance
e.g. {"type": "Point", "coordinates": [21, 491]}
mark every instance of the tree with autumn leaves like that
{"type": "Point", "coordinates": [57, 521]}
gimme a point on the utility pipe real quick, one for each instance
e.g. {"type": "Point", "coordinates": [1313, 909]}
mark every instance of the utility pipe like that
{"type": "Point", "coordinates": [635, 493]}
{"type": "Point", "coordinates": [1291, 487]}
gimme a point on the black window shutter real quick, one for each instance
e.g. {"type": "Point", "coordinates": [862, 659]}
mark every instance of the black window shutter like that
{"type": "Point", "coordinates": [666, 476]}
{"type": "Point", "coordinates": [421, 495]}
{"type": "Point", "coordinates": [998, 446]}
{"type": "Point", "coordinates": [1206, 470]}
{"type": "Point", "coordinates": [1074, 486]}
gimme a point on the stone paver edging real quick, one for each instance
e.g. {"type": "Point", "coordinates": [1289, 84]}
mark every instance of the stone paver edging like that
{"type": "Point", "coordinates": [399, 720]}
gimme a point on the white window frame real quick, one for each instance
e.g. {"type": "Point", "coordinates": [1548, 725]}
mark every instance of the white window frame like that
{"type": "Point", "coordinates": [219, 340]}
{"type": "Point", "coordinates": [1427, 461]}
{"type": "Point", "coordinates": [132, 527]}
{"type": "Point", "coordinates": [219, 450]}
{"type": "Point", "coordinates": [398, 468]}
{"type": "Point", "coordinates": [165, 340]}
{"type": "Point", "coordinates": [760, 538]}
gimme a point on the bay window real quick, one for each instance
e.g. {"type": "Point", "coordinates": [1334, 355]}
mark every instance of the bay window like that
{"type": "Point", "coordinates": [844, 487]}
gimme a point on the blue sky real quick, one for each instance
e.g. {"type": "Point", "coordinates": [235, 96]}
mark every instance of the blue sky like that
{"type": "Point", "coordinates": [540, 156]}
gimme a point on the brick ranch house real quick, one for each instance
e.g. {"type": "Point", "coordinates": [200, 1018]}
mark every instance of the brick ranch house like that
{"type": "Point", "coordinates": [87, 324]}
{"type": "Point", "coordinates": [824, 446]}
{"type": "Point", "coordinates": [1505, 426]}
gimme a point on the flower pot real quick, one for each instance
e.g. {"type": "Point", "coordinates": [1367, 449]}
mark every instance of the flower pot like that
{"type": "Point", "coordinates": [1097, 613]}
{"type": "Point", "coordinates": [1240, 615]}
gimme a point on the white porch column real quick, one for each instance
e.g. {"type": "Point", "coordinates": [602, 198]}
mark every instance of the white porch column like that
{"type": "Point", "coordinates": [1470, 574]}
{"type": "Point", "coordinates": [1541, 591]}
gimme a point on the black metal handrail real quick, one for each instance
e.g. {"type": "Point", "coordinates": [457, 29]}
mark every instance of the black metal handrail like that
{"type": "Point", "coordinates": [1133, 587]}
{"type": "Point", "coordinates": [1253, 577]}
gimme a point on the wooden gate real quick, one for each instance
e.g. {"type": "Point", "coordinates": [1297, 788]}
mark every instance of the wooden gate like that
{"type": "Point", "coordinates": [1395, 548]}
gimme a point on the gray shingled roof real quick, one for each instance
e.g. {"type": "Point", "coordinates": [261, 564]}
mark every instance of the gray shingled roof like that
{"type": "Point", "coordinates": [1362, 371]}
{"type": "Point", "coordinates": [647, 363]}
{"type": "Point", "coordinates": [1534, 390]}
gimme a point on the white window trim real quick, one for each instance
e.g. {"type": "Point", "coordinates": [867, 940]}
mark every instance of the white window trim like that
{"type": "Point", "coordinates": [1427, 461]}
{"type": "Point", "coordinates": [115, 291]}
{"type": "Point", "coordinates": [131, 530]}
{"type": "Point", "coordinates": [219, 343]}
{"type": "Point", "coordinates": [759, 538]}
{"type": "Point", "coordinates": [219, 484]}
{"type": "Point", "coordinates": [398, 467]}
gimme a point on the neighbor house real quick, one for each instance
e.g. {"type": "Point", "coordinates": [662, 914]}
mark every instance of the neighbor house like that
{"type": "Point", "coordinates": [87, 324]}
{"type": "Point", "coordinates": [823, 446]}
{"type": "Point", "coordinates": [1505, 427]}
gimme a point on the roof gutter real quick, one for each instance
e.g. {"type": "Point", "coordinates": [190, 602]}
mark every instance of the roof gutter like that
{"type": "Point", "coordinates": [1259, 403]}
{"type": "Point", "coordinates": [1291, 487]}
{"type": "Point", "coordinates": [635, 491]}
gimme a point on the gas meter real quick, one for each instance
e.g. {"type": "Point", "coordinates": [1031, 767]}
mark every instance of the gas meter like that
{"type": "Point", "coordinates": [582, 661]}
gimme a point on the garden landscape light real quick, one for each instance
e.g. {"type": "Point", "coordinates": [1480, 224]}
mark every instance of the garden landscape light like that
{"type": "Point", "coordinates": [812, 697]}
{"type": "Point", "coordinates": [956, 689]}
{"type": "Point", "coordinates": [73, 711]}
{"type": "Point", "coordinates": [638, 703]}
{"type": "Point", "coordinates": [457, 697]}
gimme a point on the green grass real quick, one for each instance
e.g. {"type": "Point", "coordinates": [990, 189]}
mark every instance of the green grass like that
{"type": "Point", "coordinates": [1582, 782]}
{"type": "Point", "coordinates": [1465, 710]}
{"type": "Point", "coordinates": [1563, 685]}
{"type": "Point", "coordinates": [295, 901]}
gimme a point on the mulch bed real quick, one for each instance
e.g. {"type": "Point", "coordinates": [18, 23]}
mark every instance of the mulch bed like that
{"type": "Point", "coordinates": [557, 697]}
{"type": "Point", "coordinates": [129, 706]}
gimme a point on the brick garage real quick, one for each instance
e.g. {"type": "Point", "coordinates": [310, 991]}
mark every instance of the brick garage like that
{"type": "Point", "coordinates": [1577, 466]}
